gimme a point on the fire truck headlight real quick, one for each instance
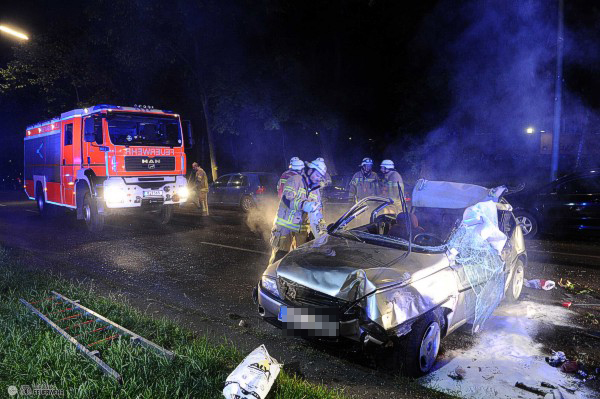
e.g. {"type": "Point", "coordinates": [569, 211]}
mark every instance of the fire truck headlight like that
{"type": "Point", "coordinates": [113, 194]}
{"type": "Point", "coordinates": [183, 193]}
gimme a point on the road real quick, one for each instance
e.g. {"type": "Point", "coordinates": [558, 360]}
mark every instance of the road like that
{"type": "Point", "coordinates": [201, 271]}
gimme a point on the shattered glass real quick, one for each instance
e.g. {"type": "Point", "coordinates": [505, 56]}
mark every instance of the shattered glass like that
{"type": "Point", "coordinates": [483, 269]}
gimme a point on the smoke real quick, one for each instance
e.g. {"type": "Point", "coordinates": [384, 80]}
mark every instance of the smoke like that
{"type": "Point", "coordinates": [499, 62]}
{"type": "Point", "coordinates": [260, 218]}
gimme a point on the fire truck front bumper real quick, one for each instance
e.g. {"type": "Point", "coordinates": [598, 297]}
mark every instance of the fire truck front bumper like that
{"type": "Point", "coordinates": [134, 192]}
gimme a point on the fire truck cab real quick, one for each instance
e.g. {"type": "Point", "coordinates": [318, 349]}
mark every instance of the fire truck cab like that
{"type": "Point", "coordinates": [105, 159]}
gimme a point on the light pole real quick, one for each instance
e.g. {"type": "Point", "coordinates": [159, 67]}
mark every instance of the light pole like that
{"type": "Point", "coordinates": [13, 32]}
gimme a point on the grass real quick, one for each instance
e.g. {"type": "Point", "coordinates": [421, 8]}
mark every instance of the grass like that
{"type": "Point", "coordinates": [32, 353]}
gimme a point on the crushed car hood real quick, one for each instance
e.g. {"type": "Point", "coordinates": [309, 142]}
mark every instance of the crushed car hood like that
{"type": "Point", "coordinates": [348, 269]}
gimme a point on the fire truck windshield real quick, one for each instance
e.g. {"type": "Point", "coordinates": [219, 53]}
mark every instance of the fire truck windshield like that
{"type": "Point", "coordinates": [144, 130]}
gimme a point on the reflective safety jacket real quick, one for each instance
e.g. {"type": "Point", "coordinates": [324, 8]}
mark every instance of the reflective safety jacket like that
{"type": "Point", "coordinates": [388, 185]}
{"type": "Point", "coordinates": [363, 185]}
{"type": "Point", "coordinates": [283, 179]}
{"type": "Point", "coordinates": [201, 180]}
{"type": "Point", "coordinates": [295, 192]}
{"type": "Point", "coordinates": [316, 216]}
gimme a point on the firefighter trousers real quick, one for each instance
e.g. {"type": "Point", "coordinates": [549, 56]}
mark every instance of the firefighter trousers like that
{"type": "Point", "coordinates": [284, 240]}
{"type": "Point", "coordinates": [203, 202]}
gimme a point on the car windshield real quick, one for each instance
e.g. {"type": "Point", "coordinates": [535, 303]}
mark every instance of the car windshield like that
{"type": "Point", "coordinates": [379, 221]}
{"type": "Point", "coordinates": [146, 130]}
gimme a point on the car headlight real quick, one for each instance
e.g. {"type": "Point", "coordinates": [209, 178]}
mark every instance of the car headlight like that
{"type": "Point", "coordinates": [113, 194]}
{"type": "Point", "coordinates": [269, 284]}
{"type": "Point", "coordinates": [183, 192]}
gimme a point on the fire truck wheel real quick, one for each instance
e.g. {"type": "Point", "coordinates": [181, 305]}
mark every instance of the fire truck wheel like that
{"type": "Point", "coordinates": [93, 219]}
{"type": "Point", "coordinates": [165, 213]}
{"type": "Point", "coordinates": [41, 200]}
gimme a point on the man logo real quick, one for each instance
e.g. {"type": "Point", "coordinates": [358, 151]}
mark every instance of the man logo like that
{"type": "Point", "coordinates": [151, 166]}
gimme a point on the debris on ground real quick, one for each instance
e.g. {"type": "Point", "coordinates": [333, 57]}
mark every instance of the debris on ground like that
{"type": "Point", "coordinates": [457, 374]}
{"type": "Point", "coordinates": [540, 284]}
{"type": "Point", "coordinates": [570, 366]}
{"type": "Point", "coordinates": [254, 377]}
{"type": "Point", "coordinates": [557, 359]}
{"type": "Point", "coordinates": [243, 323]}
{"type": "Point", "coordinates": [567, 304]}
{"type": "Point", "coordinates": [531, 389]}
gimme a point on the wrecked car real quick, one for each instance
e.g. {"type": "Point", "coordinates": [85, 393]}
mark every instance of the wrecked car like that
{"type": "Point", "coordinates": [404, 280]}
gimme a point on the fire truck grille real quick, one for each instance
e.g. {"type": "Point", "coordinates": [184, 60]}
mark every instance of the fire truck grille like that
{"type": "Point", "coordinates": [139, 164]}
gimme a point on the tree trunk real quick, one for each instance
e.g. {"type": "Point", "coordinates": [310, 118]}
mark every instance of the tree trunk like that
{"type": "Point", "coordinates": [210, 138]}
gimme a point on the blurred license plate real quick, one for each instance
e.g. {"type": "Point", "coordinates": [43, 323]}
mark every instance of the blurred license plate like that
{"type": "Point", "coordinates": [309, 322]}
{"type": "Point", "coordinates": [153, 193]}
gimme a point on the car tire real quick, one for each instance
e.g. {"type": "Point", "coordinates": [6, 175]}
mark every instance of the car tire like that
{"type": "Point", "coordinates": [419, 349]}
{"type": "Point", "coordinates": [515, 288]}
{"type": "Point", "coordinates": [165, 214]}
{"type": "Point", "coordinates": [528, 223]}
{"type": "Point", "coordinates": [93, 219]}
{"type": "Point", "coordinates": [247, 203]}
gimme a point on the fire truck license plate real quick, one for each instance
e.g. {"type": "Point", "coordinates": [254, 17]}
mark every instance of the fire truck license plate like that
{"type": "Point", "coordinates": [153, 193]}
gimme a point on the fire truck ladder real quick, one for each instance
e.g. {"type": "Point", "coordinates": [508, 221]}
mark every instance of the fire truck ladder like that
{"type": "Point", "coordinates": [91, 326]}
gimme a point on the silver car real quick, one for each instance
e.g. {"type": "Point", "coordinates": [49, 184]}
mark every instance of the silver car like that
{"type": "Point", "coordinates": [405, 279]}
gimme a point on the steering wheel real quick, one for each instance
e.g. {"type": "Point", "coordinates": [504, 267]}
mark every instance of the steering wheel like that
{"type": "Point", "coordinates": [430, 239]}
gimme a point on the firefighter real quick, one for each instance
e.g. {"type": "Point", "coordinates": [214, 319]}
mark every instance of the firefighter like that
{"type": "Point", "coordinates": [295, 168]}
{"type": "Point", "coordinates": [390, 180]}
{"type": "Point", "coordinates": [364, 182]}
{"type": "Point", "coordinates": [300, 202]}
{"type": "Point", "coordinates": [201, 183]}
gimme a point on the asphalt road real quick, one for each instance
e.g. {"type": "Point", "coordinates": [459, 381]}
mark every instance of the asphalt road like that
{"type": "Point", "coordinates": [201, 271]}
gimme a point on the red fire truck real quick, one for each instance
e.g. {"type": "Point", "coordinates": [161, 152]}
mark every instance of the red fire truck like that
{"type": "Point", "coordinates": [107, 158]}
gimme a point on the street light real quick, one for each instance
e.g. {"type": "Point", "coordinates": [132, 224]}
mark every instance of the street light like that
{"type": "Point", "coordinates": [529, 130]}
{"type": "Point", "coordinates": [13, 32]}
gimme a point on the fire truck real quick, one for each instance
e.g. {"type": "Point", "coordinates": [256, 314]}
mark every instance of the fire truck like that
{"type": "Point", "coordinates": [107, 159]}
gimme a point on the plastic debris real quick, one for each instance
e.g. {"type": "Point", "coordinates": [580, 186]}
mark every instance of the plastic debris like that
{"type": "Point", "coordinates": [556, 359]}
{"type": "Point", "coordinates": [568, 304]}
{"type": "Point", "coordinates": [570, 366]}
{"type": "Point", "coordinates": [254, 377]}
{"type": "Point", "coordinates": [540, 284]}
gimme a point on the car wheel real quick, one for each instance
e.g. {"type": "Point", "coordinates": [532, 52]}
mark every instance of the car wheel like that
{"type": "Point", "coordinates": [528, 223]}
{"type": "Point", "coordinates": [420, 348]}
{"type": "Point", "coordinates": [93, 219]}
{"type": "Point", "coordinates": [516, 283]}
{"type": "Point", "coordinates": [247, 203]}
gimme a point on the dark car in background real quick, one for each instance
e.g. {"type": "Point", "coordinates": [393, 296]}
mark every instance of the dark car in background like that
{"type": "Point", "coordinates": [243, 190]}
{"type": "Point", "coordinates": [338, 191]}
{"type": "Point", "coordinates": [571, 202]}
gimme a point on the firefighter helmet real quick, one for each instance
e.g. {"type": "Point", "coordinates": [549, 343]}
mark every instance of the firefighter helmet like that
{"type": "Point", "coordinates": [318, 165]}
{"type": "Point", "coordinates": [366, 162]}
{"type": "Point", "coordinates": [388, 164]}
{"type": "Point", "coordinates": [296, 164]}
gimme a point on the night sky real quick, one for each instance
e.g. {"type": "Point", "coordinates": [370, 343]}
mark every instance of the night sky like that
{"type": "Point", "coordinates": [444, 88]}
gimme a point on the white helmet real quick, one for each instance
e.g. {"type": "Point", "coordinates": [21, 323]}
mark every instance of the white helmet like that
{"type": "Point", "coordinates": [319, 165]}
{"type": "Point", "coordinates": [366, 161]}
{"type": "Point", "coordinates": [296, 164]}
{"type": "Point", "coordinates": [387, 163]}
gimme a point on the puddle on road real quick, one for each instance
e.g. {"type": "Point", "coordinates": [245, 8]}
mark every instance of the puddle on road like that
{"type": "Point", "coordinates": [504, 353]}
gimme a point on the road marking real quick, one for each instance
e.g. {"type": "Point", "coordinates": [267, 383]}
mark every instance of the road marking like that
{"type": "Point", "coordinates": [565, 253]}
{"type": "Point", "coordinates": [3, 205]}
{"type": "Point", "coordinates": [238, 248]}
{"type": "Point", "coordinates": [29, 210]}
